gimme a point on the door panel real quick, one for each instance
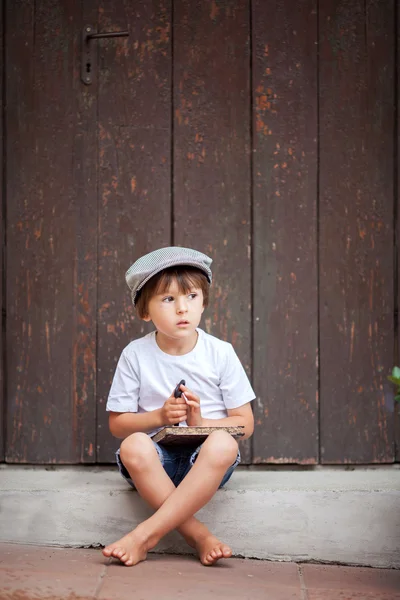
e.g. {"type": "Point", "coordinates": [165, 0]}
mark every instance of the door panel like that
{"type": "Point", "coordinates": [51, 238]}
{"type": "Point", "coordinates": [396, 213]}
{"type": "Point", "coordinates": [2, 242]}
{"type": "Point", "coordinates": [285, 231]}
{"type": "Point", "coordinates": [356, 230]}
{"type": "Point", "coordinates": [134, 129]}
{"type": "Point", "coordinates": [212, 196]}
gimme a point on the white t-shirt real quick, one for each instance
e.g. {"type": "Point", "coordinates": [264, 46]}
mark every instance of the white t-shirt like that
{"type": "Point", "coordinates": [146, 376]}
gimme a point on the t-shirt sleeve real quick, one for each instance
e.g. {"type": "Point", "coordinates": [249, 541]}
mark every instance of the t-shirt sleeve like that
{"type": "Point", "coordinates": [124, 392]}
{"type": "Point", "coordinates": [235, 386]}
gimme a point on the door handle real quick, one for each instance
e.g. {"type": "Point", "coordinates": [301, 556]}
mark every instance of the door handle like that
{"type": "Point", "coordinates": [87, 54]}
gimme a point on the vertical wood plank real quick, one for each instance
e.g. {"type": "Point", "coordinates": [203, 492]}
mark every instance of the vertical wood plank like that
{"type": "Point", "coordinates": [2, 238]}
{"type": "Point", "coordinates": [135, 173]}
{"type": "Point", "coordinates": [212, 197]}
{"type": "Point", "coordinates": [85, 176]}
{"type": "Point", "coordinates": [356, 230]}
{"type": "Point", "coordinates": [397, 225]}
{"type": "Point", "coordinates": [51, 254]}
{"type": "Point", "coordinates": [285, 231]}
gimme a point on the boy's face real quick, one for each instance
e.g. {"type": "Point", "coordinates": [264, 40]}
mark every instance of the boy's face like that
{"type": "Point", "coordinates": [175, 314]}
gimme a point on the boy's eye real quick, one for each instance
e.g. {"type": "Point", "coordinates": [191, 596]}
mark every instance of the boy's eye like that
{"type": "Point", "coordinates": [168, 299]}
{"type": "Point", "coordinates": [192, 295]}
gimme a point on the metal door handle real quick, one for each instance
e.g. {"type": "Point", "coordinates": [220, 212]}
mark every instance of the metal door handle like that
{"type": "Point", "coordinates": [87, 57]}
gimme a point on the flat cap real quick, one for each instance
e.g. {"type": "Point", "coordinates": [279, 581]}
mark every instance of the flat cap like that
{"type": "Point", "coordinates": [150, 264]}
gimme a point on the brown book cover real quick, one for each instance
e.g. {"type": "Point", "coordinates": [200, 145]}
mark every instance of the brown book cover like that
{"type": "Point", "coordinates": [195, 436]}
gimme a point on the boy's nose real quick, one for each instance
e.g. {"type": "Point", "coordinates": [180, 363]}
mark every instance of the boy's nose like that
{"type": "Point", "coordinates": [181, 306]}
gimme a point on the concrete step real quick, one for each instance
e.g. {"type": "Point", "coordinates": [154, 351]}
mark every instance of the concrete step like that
{"type": "Point", "coordinates": [324, 514]}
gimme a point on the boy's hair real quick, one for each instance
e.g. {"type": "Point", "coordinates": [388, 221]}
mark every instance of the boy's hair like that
{"type": "Point", "coordinates": [186, 277]}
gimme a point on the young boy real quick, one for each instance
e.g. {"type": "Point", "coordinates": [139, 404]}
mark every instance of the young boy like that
{"type": "Point", "coordinates": [170, 288]}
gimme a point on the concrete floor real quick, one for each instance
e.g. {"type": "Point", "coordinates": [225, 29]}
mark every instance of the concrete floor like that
{"type": "Point", "coordinates": [47, 573]}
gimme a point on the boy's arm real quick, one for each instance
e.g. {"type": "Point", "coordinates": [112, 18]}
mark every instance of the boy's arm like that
{"type": "Point", "coordinates": [243, 415]}
{"type": "Point", "coordinates": [123, 424]}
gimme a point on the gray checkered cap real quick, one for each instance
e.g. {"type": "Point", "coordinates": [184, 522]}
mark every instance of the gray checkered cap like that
{"type": "Point", "coordinates": [148, 265]}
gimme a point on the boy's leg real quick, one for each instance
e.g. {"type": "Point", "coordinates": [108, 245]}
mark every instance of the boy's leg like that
{"type": "Point", "coordinates": [153, 484]}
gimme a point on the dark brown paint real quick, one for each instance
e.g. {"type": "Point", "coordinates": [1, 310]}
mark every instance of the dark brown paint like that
{"type": "Point", "coordinates": [285, 322]}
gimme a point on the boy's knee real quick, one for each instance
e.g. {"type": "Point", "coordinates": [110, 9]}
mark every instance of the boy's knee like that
{"type": "Point", "coordinates": [221, 448]}
{"type": "Point", "coordinates": [137, 451]}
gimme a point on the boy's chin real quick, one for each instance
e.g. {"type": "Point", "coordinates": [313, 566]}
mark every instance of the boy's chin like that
{"type": "Point", "coordinates": [179, 332]}
{"type": "Point", "coordinates": [186, 331]}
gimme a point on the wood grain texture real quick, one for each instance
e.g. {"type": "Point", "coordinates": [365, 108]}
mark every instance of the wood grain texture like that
{"type": "Point", "coordinates": [158, 151]}
{"type": "Point", "coordinates": [134, 173]}
{"type": "Point", "coordinates": [285, 231]}
{"type": "Point", "coordinates": [397, 241]}
{"type": "Point", "coordinates": [356, 230]}
{"type": "Point", "coordinates": [2, 243]}
{"type": "Point", "coordinates": [51, 242]}
{"type": "Point", "coordinates": [212, 199]}
{"type": "Point", "coordinates": [192, 436]}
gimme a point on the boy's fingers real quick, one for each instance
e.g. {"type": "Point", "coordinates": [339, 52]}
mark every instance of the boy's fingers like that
{"type": "Point", "coordinates": [193, 403]}
{"type": "Point", "coordinates": [178, 413]}
{"type": "Point", "coordinates": [176, 402]}
{"type": "Point", "coordinates": [178, 407]}
{"type": "Point", "coordinates": [181, 401]}
{"type": "Point", "coordinates": [190, 396]}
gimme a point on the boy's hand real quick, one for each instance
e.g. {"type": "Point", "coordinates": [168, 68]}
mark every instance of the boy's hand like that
{"type": "Point", "coordinates": [174, 411]}
{"type": "Point", "coordinates": [194, 418]}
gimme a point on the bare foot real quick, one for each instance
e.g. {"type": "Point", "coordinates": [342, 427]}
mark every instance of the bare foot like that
{"type": "Point", "coordinates": [131, 549]}
{"type": "Point", "coordinates": [211, 549]}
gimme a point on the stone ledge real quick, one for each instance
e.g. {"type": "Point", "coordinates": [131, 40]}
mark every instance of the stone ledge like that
{"type": "Point", "coordinates": [325, 514]}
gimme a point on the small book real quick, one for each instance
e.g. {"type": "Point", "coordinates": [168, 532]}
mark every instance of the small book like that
{"type": "Point", "coordinates": [189, 436]}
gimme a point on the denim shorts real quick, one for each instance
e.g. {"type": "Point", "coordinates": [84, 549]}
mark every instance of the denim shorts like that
{"type": "Point", "coordinates": [177, 462]}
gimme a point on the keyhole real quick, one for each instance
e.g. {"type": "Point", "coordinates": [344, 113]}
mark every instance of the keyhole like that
{"type": "Point", "coordinates": [88, 67]}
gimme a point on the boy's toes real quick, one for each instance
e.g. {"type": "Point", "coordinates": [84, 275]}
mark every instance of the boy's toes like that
{"type": "Point", "coordinates": [108, 551]}
{"type": "Point", "coordinates": [212, 557]}
{"type": "Point", "coordinates": [117, 552]}
{"type": "Point", "coordinates": [211, 550]}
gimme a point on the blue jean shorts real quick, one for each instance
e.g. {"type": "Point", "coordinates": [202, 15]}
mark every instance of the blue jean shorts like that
{"type": "Point", "coordinates": [177, 462]}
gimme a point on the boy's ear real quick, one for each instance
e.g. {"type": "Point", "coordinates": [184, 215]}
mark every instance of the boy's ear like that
{"type": "Point", "coordinates": [146, 318]}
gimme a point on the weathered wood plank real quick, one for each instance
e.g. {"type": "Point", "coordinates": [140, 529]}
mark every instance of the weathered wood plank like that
{"type": "Point", "coordinates": [192, 436]}
{"type": "Point", "coordinates": [2, 243]}
{"type": "Point", "coordinates": [397, 241]}
{"type": "Point", "coordinates": [51, 249]}
{"type": "Point", "coordinates": [135, 173]}
{"type": "Point", "coordinates": [285, 231]}
{"type": "Point", "coordinates": [356, 229]}
{"type": "Point", "coordinates": [212, 183]}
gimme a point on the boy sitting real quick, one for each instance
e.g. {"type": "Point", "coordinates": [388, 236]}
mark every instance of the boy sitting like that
{"type": "Point", "coordinates": [170, 287]}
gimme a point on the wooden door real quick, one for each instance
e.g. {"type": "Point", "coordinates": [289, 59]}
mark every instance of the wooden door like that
{"type": "Point", "coordinates": [261, 133]}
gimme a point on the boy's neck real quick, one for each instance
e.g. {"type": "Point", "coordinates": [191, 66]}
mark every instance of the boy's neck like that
{"type": "Point", "coordinates": [176, 347]}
